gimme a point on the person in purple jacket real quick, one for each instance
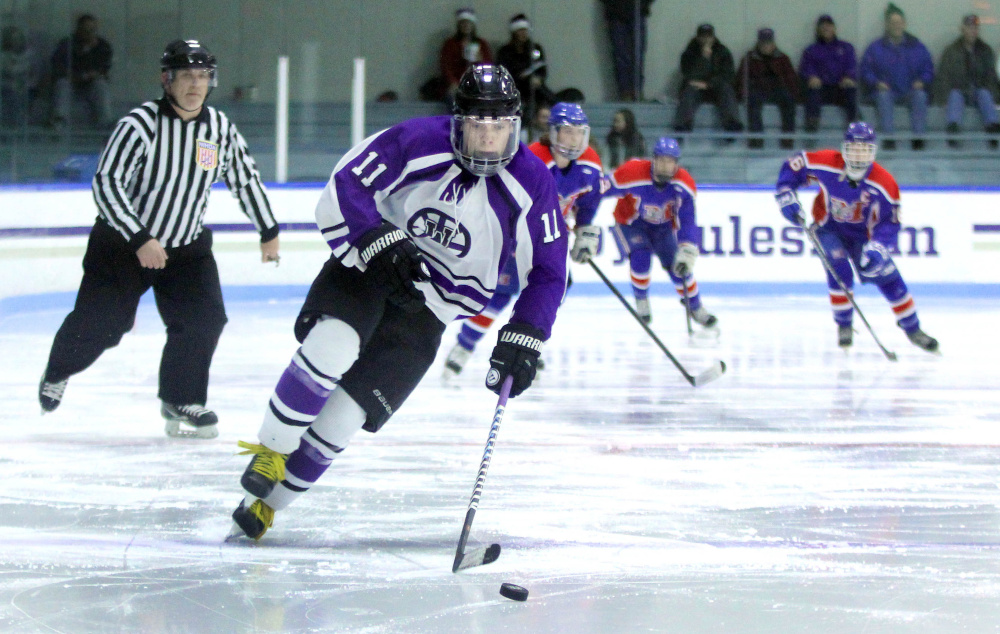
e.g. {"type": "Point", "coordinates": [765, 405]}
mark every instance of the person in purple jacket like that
{"type": "Point", "coordinates": [897, 68]}
{"type": "Point", "coordinates": [829, 70]}
{"type": "Point", "coordinates": [421, 219]}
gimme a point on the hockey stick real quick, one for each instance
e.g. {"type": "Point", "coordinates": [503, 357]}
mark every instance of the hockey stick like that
{"type": "Point", "coordinates": [687, 305]}
{"type": "Point", "coordinates": [811, 232]}
{"type": "Point", "coordinates": [488, 554]}
{"type": "Point", "coordinates": [718, 367]}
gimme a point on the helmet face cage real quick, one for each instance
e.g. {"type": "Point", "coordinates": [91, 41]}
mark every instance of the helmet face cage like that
{"type": "Point", "coordinates": [485, 145]}
{"type": "Point", "coordinates": [858, 157]}
{"type": "Point", "coordinates": [570, 117]}
{"type": "Point", "coordinates": [569, 145]}
{"type": "Point", "coordinates": [486, 126]}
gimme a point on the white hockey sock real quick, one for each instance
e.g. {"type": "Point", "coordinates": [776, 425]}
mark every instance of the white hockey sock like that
{"type": "Point", "coordinates": [328, 351]}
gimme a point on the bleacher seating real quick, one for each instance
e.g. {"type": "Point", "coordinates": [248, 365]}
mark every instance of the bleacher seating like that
{"type": "Point", "coordinates": [320, 133]}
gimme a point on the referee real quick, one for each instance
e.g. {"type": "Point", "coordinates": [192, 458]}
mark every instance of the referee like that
{"type": "Point", "coordinates": [151, 189]}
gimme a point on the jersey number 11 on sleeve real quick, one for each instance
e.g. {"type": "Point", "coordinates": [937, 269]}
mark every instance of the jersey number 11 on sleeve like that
{"type": "Point", "coordinates": [359, 169]}
{"type": "Point", "coordinates": [551, 226]}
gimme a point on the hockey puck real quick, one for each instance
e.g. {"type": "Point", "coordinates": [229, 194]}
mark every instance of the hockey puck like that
{"type": "Point", "coordinates": [512, 591]}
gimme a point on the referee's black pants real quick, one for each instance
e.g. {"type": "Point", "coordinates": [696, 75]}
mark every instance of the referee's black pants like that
{"type": "Point", "coordinates": [188, 295]}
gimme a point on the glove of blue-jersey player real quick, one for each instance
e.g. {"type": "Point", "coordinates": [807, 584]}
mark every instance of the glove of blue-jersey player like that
{"type": "Point", "coordinates": [395, 263]}
{"type": "Point", "coordinates": [684, 259]}
{"type": "Point", "coordinates": [516, 354]}
{"type": "Point", "coordinates": [588, 237]}
{"type": "Point", "coordinates": [874, 260]}
{"type": "Point", "coordinates": [790, 207]}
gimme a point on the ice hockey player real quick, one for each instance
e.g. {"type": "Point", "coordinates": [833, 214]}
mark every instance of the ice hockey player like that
{"type": "Point", "coordinates": [566, 151]}
{"type": "Point", "coordinates": [655, 213]}
{"type": "Point", "coordinates": [421, 219]}
{"type": "Point", "coordinates": [857, 222]}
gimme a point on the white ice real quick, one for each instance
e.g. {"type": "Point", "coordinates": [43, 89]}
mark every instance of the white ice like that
{"type": "Point", "coordinates": [807, 490]}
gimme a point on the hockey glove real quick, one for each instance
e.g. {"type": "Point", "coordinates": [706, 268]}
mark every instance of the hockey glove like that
{"type": "Point", "coordinates": [790, 207]}
{"type": "Point", "coordinates": [874, 260]}
{"type": "Point", "coordinates": [687, 253]}
{"type": "Point", "coordinates": [394, 263]}
{"type": "Point", "coordinates": [516, 353]}
{"type": "Point", "coordinates": [588, 237]}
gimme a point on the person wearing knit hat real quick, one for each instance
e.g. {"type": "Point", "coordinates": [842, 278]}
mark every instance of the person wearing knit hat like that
{"type": "Point", "coordinates": [525, 60]}
{"type": "Point", "coordinates": [829, 70]}
{"type": "Point", "coordinates": [967, 75]}
{"type": "Point", "coordinates": [897, 69]}
{"type": "Point", "coordinates": [708, 74]}
{"type": "Point", "coordinates": [463, 49]}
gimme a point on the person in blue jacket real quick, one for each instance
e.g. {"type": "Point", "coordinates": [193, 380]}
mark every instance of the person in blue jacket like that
{"type": "Point", "coordinates": [897, 69]}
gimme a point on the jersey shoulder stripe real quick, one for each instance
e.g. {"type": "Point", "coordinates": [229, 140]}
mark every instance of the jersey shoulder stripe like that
{"type": "Point", "coordinates": [543, 152]}
{"type": "Point", "coordinates": [828, 160]}
{"type": "Point", "coordinates": [685, 180]}
{"type": "Point", "coordinates": [633, 173]}
{"type": "Point", "coordinates": [884, 181]}
{"type": "Point", "coordinates": [590, 156]}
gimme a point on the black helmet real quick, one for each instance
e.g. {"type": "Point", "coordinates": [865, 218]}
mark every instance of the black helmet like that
{"type": "Point", "coordinates": [486, 124]}
{"type": "Point", "coordinates": [186, 54]}
{"type": "Point", "coordinates": [486, 90]}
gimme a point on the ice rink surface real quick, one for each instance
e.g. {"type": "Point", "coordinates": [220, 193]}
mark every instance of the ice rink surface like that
{"type": "Point", "coordinates": [807, 490]}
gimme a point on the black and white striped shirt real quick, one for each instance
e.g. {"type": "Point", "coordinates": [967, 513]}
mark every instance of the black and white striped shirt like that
{"type": "Point", "coordinates": [157, 170]}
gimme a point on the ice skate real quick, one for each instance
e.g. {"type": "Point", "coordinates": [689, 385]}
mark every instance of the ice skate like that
{"type": "Point", "coordinates": [845, 336]}
{"type": "Point", "coordinates": [253, 520]}
{"type": "Point", "coordinates": [923, 340]}
{"type": "Point", "coordinates": [266, 469]}
{"type": "Point", "coordinates": [456, 361]}
{"type": "Point", "coordinates": [704, 317]}
{"type": "Point", "coordinates": [199, 422]}
{"type": "Point", "coordinates": [642, 307]}
{"type": "Point", "coordinates": [50, 393]}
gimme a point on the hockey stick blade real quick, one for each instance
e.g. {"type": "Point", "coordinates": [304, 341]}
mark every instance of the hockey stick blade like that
{"type": "Point", "coordinates": [478, 557]}
{"type": "Point", "coordinates": [718, 369]}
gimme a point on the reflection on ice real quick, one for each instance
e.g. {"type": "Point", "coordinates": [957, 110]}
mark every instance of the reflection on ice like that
{"type": "Point", "coordinates": [807, 489]}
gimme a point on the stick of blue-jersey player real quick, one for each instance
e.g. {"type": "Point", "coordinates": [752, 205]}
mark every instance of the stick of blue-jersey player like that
{"type": "Point", "coordinates": [718, 367]}
{"type": "Point", "coordinates": [811, 232]}
{"type": "Point", "coordinates": [687, 307]}
{"type": "Point", "coordinates": [487, 554]}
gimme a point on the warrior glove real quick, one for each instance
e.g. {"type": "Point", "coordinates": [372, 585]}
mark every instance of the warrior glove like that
{"type": "Point", "coordinates": [874, 260]}
{"type": "Point", "coordinates": [516, 354]}
{"type": "Point", "coordinates": [585, 243]}
{"type": "Point", "coordinates": [683, 265]}
{"type": "Point", "coordinates": [790, 207]}
{"type": "Point", "coordinates": [394, 263]}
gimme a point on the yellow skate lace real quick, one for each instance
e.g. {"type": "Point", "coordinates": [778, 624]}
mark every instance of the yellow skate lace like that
{"type": "Point", "coordinates": [269, 463]}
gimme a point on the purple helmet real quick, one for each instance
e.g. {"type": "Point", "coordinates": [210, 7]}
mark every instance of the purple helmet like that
{"type": "Point", "coordinates": [667, 146]}
{"type": "Point", "coordinates": [573, 144]}
{"type": "Point", "coordinates": [859, 131]}
{"type": "Point", "coordinates": [858, 150]}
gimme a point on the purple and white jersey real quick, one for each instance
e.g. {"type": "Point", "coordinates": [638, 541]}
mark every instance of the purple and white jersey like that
{"type": "Point", "coordinates": [465, 225]}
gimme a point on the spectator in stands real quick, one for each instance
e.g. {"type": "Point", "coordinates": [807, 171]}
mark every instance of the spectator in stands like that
{"type": "Point", "coordinates": [829, 70]}
{"type": "Point", "coordinates": [539, 125]}
{"type": "Point", "coordinates": [766, 75]}
{"type": "Point", "coordinates": [462, 50]}
{"type": "Point", "coordinates": [20, 77]}
{"type": "Point", "coordinates": [624, 140]}
{"type": "Point", "coordinates": [80, 67]}
{"type": "Point", "coordinates": [967, 75]}
{"type": "Point", "coordinates": [897, 68]}
{"type": "Point", "coordinates": [524, 59]}
{"type": "Point", "coordinates": [627, 31]}
{"type": "Point", "coordinates": [707, 73]}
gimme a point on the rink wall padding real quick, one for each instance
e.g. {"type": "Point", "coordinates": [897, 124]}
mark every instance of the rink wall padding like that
{"type": "Point", "coordinates": [949, 245]}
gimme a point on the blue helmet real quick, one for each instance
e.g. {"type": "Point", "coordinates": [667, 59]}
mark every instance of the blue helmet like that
{"type": "Point", "coordinates": [572, 115]}
{"type": "Point", "coordinates": [858, 150]}
{"type": "Point", "coordinates": [667, 146]}
{"type": "Point", "coordinates": [859, 132]}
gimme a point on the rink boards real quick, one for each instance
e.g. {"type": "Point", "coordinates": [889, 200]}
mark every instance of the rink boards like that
{"type": "Point", "coordinates": [949, 237]}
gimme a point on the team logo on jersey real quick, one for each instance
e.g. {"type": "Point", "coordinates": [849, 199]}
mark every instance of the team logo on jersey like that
{"type": "Point", "coordinates": [208, 155]}
{"type": "Point", "coordinates": [441, 228]}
